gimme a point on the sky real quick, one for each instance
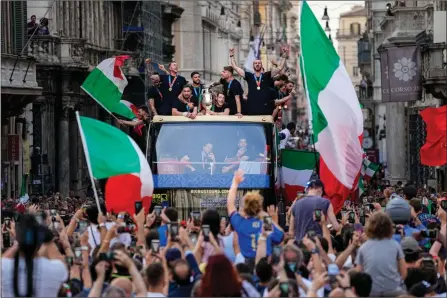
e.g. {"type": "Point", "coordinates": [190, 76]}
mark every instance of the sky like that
{"type": "Point", "coordinates": [335, 8]}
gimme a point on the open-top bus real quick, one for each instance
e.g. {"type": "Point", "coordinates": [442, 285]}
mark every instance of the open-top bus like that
{"type": "Point", "coordinates": [193, 160]}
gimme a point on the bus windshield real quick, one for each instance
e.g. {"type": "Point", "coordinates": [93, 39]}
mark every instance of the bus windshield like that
{"type": "Point", "coordinates": [206, 154]}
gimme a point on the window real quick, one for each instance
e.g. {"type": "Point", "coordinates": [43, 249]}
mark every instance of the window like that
{"type": "Point", "coordinates": [355, 29]}
{"type": "Point", "coordinates": [355, 71]}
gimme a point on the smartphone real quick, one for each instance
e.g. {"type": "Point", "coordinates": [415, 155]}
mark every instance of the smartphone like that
{"type": "Point", "coordinates": [311, 234]}
{"type": "Point", "coordinates": [351, 218]}
{"type": "Point", "coordinates": [107, 256]}
{"type": "Point", "coordinates": [333, 271]}
{"type": "Point", "coordinates": [83, 224]}
{"type": "Point", "coordinates": [6, 240]}
{"type": "Point", "coordinates": [8, 222]}
{"type": "Point", "coordinates": [69, 261]}
{"type": "Point", "coordinates": [224, 218]}
{"type": "Point", "coordinates": [276, 254]}
{"type": "Point", "coordinates": [138, 206]}
{"type": "Point", "coordinates": [444, 205]}
{"type": "Point", "coordinates": [157, 210]}
{"type": "Point", "coordinates": [206, 232]}
{"type": "Point", "coordinates": [195, 215]}
{"type": "Point", "coordinates": [193, 238]}
{"type": "Point", "coordinates": [155, 246]}
{"type": "Point", "coordinates": [317, 214]}
{"type": "Point", "coordinates": [284, 289]}
{"type": "Point", "coordinates": [40, 215]}
{"type": "Point", "coordinates": [173, 230]}
{"type": "Point", "coordinates": [268, 226]}
{"type": "Point", "coordinates": [53, 212]}
{"type": "Point", "coordinates": [133, 243]}
{"type": "Point", "coordinates": [78, 255]}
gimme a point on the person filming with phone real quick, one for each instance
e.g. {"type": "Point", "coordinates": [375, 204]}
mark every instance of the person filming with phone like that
{"type": "Point", "coordinates": [306, 212]}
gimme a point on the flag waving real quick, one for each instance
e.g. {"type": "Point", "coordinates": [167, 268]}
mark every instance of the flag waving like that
{"type": "Point", "coordinates": [106, 84]}
{"type": "Point", "coordinates": [334, 111]}
{"type": "Point", "coordinates": [112, 153]}
{"type": "Point", "coordinates": [255, 52]}
{"type": "Point", "coordinates": [434, 151]}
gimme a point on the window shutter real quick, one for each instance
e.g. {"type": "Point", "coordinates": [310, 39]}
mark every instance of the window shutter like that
{"type": "Point", "coordinates": [19, 21]}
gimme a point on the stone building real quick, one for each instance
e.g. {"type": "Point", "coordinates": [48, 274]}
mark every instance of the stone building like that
{"type": "Point", "coordinates": [81, 34]}
{"type": "Point", "coordinates": [350, 28]}
{"type": "Point", "coordinates": [399, 130]}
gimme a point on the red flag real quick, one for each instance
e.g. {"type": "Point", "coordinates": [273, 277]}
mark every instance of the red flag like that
{"type": "Point", "coordinates": [434, 151]}
{"type": "Point", "coordinates": [119, 61]}
{"type": "Point", "coordinates": [123, 191]}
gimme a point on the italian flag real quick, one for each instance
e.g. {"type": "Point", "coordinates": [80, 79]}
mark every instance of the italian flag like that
{"type": "Point", "coordinates": [334, 111]}
{"type": "Point", "coordinates": [297, 169]}
{"type": "Point", "coordinates": [106, 84]}
{"type": "Point", "coordinates": [368, 169]}
{"type": "Point", "coordinates": [110, 153]}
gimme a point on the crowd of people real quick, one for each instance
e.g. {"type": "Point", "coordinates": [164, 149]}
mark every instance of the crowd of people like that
{"type": "Point", "coordinates": [392, 243]}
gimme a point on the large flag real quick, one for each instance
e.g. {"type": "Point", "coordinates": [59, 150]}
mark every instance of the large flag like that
{"type": "Point", "coordinates": [110, 153]}
{"type": "Point", "coordinates": [334, 111]}
{"type": "Point", "coordinates": [297, 169]}
{"type": "Point", "coordinates": [254, 53]}
{"type": "Point", "coordinates": [106, 84]}
{"type": "Point", "coordinates": [434, 151]}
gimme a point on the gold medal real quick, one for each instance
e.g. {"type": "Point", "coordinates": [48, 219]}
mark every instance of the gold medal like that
{"type": "Point", "coordinates": [259, 88]}
{"type": "Point", "coordinates": [170, 89]}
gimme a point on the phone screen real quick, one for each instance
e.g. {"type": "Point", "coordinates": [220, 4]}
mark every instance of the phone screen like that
{"type": "Point", "coordinates": [82, 226]}
{"type": "Point", "coordinates": [206, 232]}
{"type": "Point", "coordinates": [155, 246]}
{"type": "Point", "coordinates": [157, 210]}
{"type": "Point", "coordinates": [317, 215]}
{"type": "Point", "coordinates": [196, 218]}
{"type": "Point", "coordinates": [268, 223]}
{"type": "Point", "coordinates": [138, 206]}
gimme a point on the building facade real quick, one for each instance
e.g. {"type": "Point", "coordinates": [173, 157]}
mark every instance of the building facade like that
{"type": "Point", "coordinates": [409, 23]}
{"type": "Point", "coordinates": [350, 29]}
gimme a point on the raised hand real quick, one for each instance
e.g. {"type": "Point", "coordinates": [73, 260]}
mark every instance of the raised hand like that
{"type": "Point", "coordinates": [238, 177]}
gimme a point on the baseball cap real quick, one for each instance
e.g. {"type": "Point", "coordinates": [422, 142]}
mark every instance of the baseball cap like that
{"type": "Point", "coordinates": [409, 245]}
{"type": "Point", "coordinates": [399, 210]}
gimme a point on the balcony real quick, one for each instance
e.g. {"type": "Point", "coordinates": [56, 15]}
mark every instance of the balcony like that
{"type": "Point", "coordinates": [348, 34]}
{"type": "Point", "coordinates": [364, 52]}
{"type": "Point", "coordinates": [434, 69]}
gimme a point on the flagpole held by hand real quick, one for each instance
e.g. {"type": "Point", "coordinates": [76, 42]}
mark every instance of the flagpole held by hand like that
{"type": "Point", "coordinates": [87, 159]}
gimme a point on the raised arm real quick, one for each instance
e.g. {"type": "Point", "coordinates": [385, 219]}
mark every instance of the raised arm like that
{"type": "Point", "coordinates": [239, 70]}
{"type": "Point", "coordinates": [231, 200]}
{"type": "Point", "coordinates": [282, 62]}
{"type": "Point", "coordinates": [131, 123]}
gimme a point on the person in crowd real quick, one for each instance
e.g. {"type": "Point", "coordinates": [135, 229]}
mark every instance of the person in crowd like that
{"type": "Point", "coordinates": [197, 88]}
{"type": "Point", "coordinates": [424, 218]}
{"type": "Point", "coordinates": [220, 107]}
{"type": "Point", "coordinates": [285, 135]}
{"type": "Point", "coordinates": [157, 105]}
{"type": "Point", "coordinates": [32, 26]}
{"type": "Point", "coordinates": [43, 27]}
{"type": "Point", "coordinates": [185, 104]}
{"type": "Point", "coordinates": [381, 257]}
{"type": "Point", "coordinates": [412, 252]}
{"type": "Point", "coordinates": [232, 91]}
{"type": "Point", "coordinates": [140, 125]}
{"type": "Point", "coordinates": [302, 218]}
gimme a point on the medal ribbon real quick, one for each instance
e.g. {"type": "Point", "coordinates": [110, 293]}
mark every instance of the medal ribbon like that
{"type": "Point", "coordinates": [161, 95]}
{"type": "Point", "coordinates": [258, 82]}
{"type": "Point", "coordinates": [173, 82]}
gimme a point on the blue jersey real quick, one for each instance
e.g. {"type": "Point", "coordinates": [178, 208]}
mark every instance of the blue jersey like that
{"type": "Point", "coordinates": [248, 231]}
{"type": "Point", "coordinates": [163, 232]}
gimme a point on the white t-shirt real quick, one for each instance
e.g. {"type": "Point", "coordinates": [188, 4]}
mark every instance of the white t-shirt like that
{"type": "Point", "coordinates": [48, 276]}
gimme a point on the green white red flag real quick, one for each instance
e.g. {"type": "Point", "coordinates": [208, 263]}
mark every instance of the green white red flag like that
{"type": "Point", "coordinates": [368, 169]}
{"type": "Point", "coordinates": [106, 84]}
{"type": "Point", "coordinates": [334, 111]}
{"type": "Point", "coordinates": [111, 153]}
{"type": "Point", "coordinates": [296, 170]}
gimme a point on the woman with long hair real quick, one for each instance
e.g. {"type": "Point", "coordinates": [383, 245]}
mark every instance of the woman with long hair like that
{"type": "Point", "coordinates": [221, 280]}
{"type": "Point", "coordinates": [25, 271]}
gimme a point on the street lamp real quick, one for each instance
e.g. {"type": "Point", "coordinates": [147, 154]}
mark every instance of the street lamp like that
{"type": "Point", "coordinates": [325, 15]}
{"type": "Point", "coordinates": [330, 38]}
{"type": "Point", "coordinates": [327, 28]}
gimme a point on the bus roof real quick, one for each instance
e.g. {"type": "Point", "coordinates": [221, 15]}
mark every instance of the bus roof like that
{"type": "Point", "coordinates": [218, 118]}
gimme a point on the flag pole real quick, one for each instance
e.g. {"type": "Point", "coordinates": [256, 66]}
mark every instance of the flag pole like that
{"type": "Point", "coordinates": [309, 107]}
{"type": "Point", "coordinates": [87, 159]}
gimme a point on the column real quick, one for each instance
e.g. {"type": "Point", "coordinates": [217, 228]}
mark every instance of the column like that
{"type": "Point", "coordinates": [63, 166]}
{"type": "Point", "coordinates": [395, 145]}
{"type": "Point", "coordinates": [74, 146]}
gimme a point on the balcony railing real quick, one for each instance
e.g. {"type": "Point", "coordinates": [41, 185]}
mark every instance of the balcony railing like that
{"type": "Point", "coordinates": [45, 49]}
{"type": "Point", "coordinates": [434, 68]}
{"type": "Point", "coordinates": [347, 33]}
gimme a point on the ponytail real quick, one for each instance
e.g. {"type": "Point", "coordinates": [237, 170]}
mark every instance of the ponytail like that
{"type": "Point", "coordinates": [29, 263]}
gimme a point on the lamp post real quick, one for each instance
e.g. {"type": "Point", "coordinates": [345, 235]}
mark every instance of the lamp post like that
{"type": "Point", "coordinates": [327, 29]}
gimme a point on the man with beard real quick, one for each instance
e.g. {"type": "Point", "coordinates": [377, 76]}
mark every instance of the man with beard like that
{"type": "Point", "coordinates": [140, 125]}
{"type": "Point", "coordinates": [232, 90]}
{"type": "Point", "coordinates": [285, 93]}
{"type": "Point", "coordinates": [171, 84]}
{"type": "Point", "coordinates": [156, 103]}
{"type": "Point", "coordinates": [197, 88]}
{"type": "Point", "coordinates": [185, 104]}
{"type": "Point", "coordinates": [259, 99]}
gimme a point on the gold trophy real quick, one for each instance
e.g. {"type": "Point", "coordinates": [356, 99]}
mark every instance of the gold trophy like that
{"type": "Point", "coordinates": [207, 99]}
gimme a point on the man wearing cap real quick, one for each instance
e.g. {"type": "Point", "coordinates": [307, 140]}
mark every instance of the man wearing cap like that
{"type": "Point", "coordinates": [302, 218]}
{"type": "Point", "coordinates": [412, 251]}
